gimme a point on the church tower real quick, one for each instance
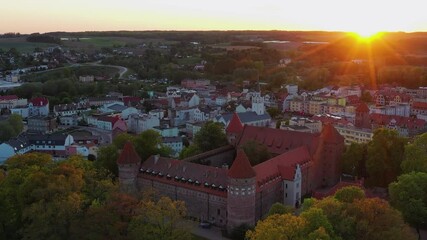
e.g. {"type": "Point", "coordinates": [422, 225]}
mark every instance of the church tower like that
{"type": "Point", "coordinates": [128, 164]}
{"type": "Point", "coordinates": [258, 103]}
{"type": "Point", "coordinates": [241, 192]}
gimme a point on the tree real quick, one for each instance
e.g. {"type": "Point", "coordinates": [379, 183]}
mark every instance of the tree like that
{"type": "Point", "coordinates": [6, 131]}
{"type": "Point", "coordinates": [278, 208]}
{"type": "Point", "coordinates": [257, 153]}
{"type": "Point", "coordinates": [409, 195]}
{"type": "Point", "coordinates": [107, 158]}
{"type": "Point", "coordinates": [285, 226]}
{"type": "Point", "coordinates": [149, 143]}
{"type": "Point", "coordinates": [189, 151]}
{"type": "Point", "coordinates": [385, 154]}
{"type": "Point", "coordinates": [349, 194]}
{"type": "Point", "coordinates": [15, 121]}
{"type": "Point", "coordinates": [210, 136]}
{"type": "Point", "coordinates": [160, 220]}
{"type": "Point", "coordinates": [354, 159]}
{"type": "Point", "coordinates": [274, 112]}
{"type": "Point", "coordinates": [416, 155]}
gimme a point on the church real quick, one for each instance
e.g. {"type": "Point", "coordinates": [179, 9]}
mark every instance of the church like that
{"type": "Point", "coordinates": [222, 187]}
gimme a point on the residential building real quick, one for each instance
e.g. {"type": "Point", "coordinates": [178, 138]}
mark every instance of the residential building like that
{"type": "Point", "coordinates": [42, 124]}
{"type": "Point", "coordinates": [354, 135]}
{"type": "Point", "coordinates": [175, 143]}
{"type": "Point", "coordinates": [138, 123]}
{"type": "Point", "coordinates": [38, 106]}
{"type": "Point", "coordinates": [71, 109]}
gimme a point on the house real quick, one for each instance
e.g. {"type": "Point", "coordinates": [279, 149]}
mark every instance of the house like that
{"type": "Point", "coordinates": [166, 131]}
{"type": "Point", "coordinates": [419, 109]}
{"type": "Point", "coordinates": [42, 124]}
{"type": "Point", "coordinates": [70, 120]}
{"type": "Point", "coordinates": [108, 123]}
{"type": "Point", "coordinates": [175, 143]}
{"type": "Point", "coordinates": [247, 118]}
{"type": "Point", "coordinates": [138, 123]}
{"type": "Point", "coordinates": [86, 79]}
{"type": "Point", "coordinates": [71, 109]}
{"type": "Point", "coordinates": [11, 101]}
{"type": "Point", "coordinates": [53, 144]}
{"type": "Point", "coordinates": [38, 106]}
{"type": "Point", "coordinates": [406, 126]}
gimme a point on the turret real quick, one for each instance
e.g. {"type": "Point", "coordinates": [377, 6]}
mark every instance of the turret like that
{"type": "Point", "coordinates": [234, 129]}
{"type": "Point", "coordinates": [128, 164]}
{"type": "Point", "coordinates": [241, 192]}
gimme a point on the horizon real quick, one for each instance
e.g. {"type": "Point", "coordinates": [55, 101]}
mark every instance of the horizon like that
{"type": "Point", "coordinates": [190, 15]}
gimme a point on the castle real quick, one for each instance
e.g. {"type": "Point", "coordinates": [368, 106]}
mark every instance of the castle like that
{"type": "Point", "coordinates": [241, 194]}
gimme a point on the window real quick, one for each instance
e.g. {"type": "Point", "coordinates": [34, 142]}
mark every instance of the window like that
{"type": "Point", "coordinates": [286, 186]}
{"type": "Point", "coordinates": [218, 211]}
{"type": "Point", "coordinates": [286, 195]}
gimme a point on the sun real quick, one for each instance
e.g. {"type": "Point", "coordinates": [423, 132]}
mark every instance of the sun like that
{"type": "Point", "coordinates": [366, 35]}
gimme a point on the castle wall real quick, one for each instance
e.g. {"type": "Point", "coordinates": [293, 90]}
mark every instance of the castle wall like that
{"type": "Point", "coordinates": [269, 194]}
{"type": "Point", "coordinates": [200, 205]}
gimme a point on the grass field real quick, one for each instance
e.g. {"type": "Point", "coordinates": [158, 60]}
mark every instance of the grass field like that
{"type": "Point", "coordinates": [21, 44]}
{"type": "Point", "coordinates": [68, 72]}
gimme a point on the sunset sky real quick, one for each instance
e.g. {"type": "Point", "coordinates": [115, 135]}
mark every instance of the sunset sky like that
{"type": "Point", "coordinates": [27, 16]}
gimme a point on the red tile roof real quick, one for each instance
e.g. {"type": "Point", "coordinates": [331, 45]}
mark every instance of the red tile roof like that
{"type": "Point", "coordinates": [128, 155]}
{"type": "Point", "coordinates": [8, 97]}
{"type": "Point", "coordinates": [420, 105]}
{"type": "Point", "coordinates": [330, 134]}
{"type": "Point", "coordinates": [279, 141]}
{"type": "Point", "coordinates": [110, 119]}
{"type": "Point", "coordinates": [287, 172]}
{"type": "Point", "coordinates": [406, 122]}
{"type": "Point", "coordinates": [270, 169]}
{"type": "Point", "coordinates": [352, 99]}
{"type": "Point", "coordinates": [39, 101]}
{"type": "Point", "coordinates": [185, 174]}
{"type": "Point", "coordinates": [128, 100]}
{"type": "Point", "coordinates": [241, 167]}
{"type": "Point", "coordinates": [235, 125]}
{"type": "Point", "coordinates": [362, 107]}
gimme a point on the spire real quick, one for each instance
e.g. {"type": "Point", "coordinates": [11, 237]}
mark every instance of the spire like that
{"type": "Point", "coordinates": [330, 134]}
{"type": "Point", "coordinates": [241, 168]}
{"type": "Point", "coordinates": [235, 125]}
{"type": "Point", "coordinates": [128, 155]}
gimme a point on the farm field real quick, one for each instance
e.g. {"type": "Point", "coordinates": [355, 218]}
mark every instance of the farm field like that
{"type": "Point", "coordinates": [22, 45]}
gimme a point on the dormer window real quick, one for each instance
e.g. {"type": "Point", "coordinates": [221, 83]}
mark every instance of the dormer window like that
{"type": "Point", "coordinates": [141, 170]}
{"type": "Point", "coordinates": [206, 184]}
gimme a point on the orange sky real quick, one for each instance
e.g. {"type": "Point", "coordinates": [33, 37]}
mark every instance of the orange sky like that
{"type": "Point", "coordinates": [27, 16]}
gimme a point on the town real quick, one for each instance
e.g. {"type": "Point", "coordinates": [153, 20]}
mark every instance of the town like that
{"type": "Point", "coordinates": [230, 131]}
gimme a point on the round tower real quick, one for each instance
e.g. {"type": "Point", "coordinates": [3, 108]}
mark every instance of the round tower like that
{"type": "Point", "coordinates": [128, 165]}
{"type": "Point", "coordinates": [362, 116]}
{"type": "Point", "coordinates": [241, 192]}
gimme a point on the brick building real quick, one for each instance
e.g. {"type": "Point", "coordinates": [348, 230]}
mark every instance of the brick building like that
{"type": "Point", "coordinates": [242, 194]}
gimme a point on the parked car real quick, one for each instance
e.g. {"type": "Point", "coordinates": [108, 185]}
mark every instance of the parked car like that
{"type": "Point", "coordinates": [205, 224]}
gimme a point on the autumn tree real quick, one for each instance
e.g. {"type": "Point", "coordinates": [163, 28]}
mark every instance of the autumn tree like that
{"type": "Point", "coordinates": [279, 226]}
{"type": "Point", "coordinates": [416, 155]}
{"type": "Point", "coordinates": [409, 195]}
{"type": "Point", "coordinates": [385, 154]}
{"type": "Point", "coordinates": [162, 219]}
{"type": "Point", "coordinates": [278, 208]}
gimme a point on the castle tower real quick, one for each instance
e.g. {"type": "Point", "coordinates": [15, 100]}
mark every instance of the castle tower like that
{"type": "Point", "coordinates": [258, 103]}
{"type": "Point", "coordinates": [328, 157]}
{"type": "Point", "coordinates": [128, 164]}
{"type": "Point", "coordinates": [362, 116]}
{"type": "Point", "coordinates": [234, 129]}
{"type": "Point", "coordinates": [241, 192]}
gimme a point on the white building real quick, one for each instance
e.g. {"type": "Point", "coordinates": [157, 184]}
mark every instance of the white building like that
{"type": "Point", "coordinates": [175, 143]}
{"type": "Point", "coordinates": [138, 123]}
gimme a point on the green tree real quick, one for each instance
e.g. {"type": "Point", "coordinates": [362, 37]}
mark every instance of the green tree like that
{"type": "Point", "coordinates": [257, 153]}
{"type": "Point", "coordinates": [189, 151]}
{"type": "Point", "coordinates": [354, 159]}
{"type": "Point", "coordinates": [285, 226]}
{"type": "Point", "coordinates": [149, 143]}
{"type": "Point", "coordinates": [107, 158]}
{"type": "Point", "coordinates": [210, 136]}
{"type": "Point", "coordinates": [278, 208]}
{"type": "Point", "coordinates": [15, 121]}
{"type": "Point", "coordinates": [349, 194]}
{"type": "Point", "coordinates": [385, 154]}
{"type": "Point", "coordinates": [409, 195]}
{"type": "Point", "coordinates": [6, 131]}
{"type": "Point", "coordinates": [416, 155]}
